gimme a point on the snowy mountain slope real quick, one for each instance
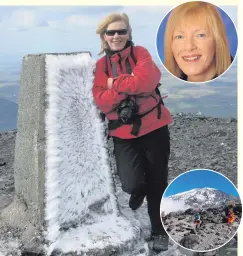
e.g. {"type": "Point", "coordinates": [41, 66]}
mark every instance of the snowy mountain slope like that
{"type": "Point", "coordinates": [203, 197]}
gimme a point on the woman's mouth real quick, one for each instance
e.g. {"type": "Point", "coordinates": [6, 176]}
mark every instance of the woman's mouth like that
{"type": "Point", "coordinates": [191, 58]}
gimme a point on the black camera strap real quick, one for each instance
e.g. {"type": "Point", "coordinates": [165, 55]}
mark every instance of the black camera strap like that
{"type": "Point", "coordinates": [135, 121]}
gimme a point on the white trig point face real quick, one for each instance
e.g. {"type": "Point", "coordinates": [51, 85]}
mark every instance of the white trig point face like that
{"type": "Point", "coordinates": [79, 185]}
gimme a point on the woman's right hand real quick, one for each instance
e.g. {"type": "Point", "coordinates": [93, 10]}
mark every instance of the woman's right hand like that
{"type": "Point", "coordinates": [109, 82]}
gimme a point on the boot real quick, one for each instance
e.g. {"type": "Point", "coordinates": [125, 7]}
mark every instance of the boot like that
{"type": "Point", "coordinates": [136, 201]}
{"type": "Point", "coordinates": [160, 242]}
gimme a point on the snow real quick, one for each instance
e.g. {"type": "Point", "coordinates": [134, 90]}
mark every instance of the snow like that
{"type": "Point", "coordinates": [198, 192]}
{"type": "Point", "coordinates": [79, 187]}
{"type": "Point", "coordinates": [184, 193]}
{"type": "Point", "coordinates": [201, 197]}
{"type": "Point", "coordinates": [95, 236]}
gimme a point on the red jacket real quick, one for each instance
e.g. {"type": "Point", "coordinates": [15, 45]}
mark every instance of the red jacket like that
{"type": "Point", "coordinates": [142, 84]}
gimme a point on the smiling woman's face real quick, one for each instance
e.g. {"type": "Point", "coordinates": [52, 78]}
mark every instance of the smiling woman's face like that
{"type": "Point", "coordinates": [193, 47]}
{"type": "Point", "coordinates": [116, 35]}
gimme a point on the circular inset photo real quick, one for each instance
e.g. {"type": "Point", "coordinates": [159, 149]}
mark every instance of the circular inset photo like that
{"type": "Point", "coordinates": [201, 210]}
{"type": "Point", "coordinates": [197, 41]}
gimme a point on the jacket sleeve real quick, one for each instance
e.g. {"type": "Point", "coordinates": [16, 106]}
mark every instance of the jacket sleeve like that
{"type": "Point", "coordinates": [146, 75]}
{"type": "Point", "coordinates": [105, 99]}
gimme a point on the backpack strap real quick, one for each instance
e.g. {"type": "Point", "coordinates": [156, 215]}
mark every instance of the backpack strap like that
{"type": "Point", "coordinates": [106, 65]}
{"type": "Point", "coordinates": [127, 63]}
{"type": "Point", "coordinates": [102, 115]}
{"type": "Point", "coordinates": [158, 93]}
{"type": "Point", "coordinates": [113, 68]}
{"type": "Point", "coordinates": [128, 66]}
{"type": "Point", "coordinates": [133, 56]}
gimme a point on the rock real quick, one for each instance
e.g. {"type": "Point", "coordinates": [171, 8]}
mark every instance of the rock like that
{"type": "Point", "coordinates": [189, 241]}
{"type": "Point", "coordinates": [189, 211]}
{"type": "Point", "coordinates": [169, 229]}
{"type": "Point", "coordinates": [2, 163]}
{"type": "Point", "coordinates": [212, 226]}
{"type": "Point", "coordinates": [193, 231]}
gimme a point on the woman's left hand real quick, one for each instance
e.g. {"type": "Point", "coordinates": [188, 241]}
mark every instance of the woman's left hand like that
{"type": "Point", "coordinates": [109, 83]}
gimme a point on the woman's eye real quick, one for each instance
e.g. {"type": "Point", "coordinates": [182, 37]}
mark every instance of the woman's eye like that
{"type": "Point", "coordinates": [201, 35]}
{"type": "Point", "coordinates": [178, 37]}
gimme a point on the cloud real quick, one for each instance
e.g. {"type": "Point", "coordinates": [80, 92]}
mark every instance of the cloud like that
{"type": "Point", "coordinates": [21, 20]}
{"type": "Point", "coordinates": [80, 20]}
{"type": "Point", "coordinates": [76, 21]}
{"type": "Point", "coordinates": [151, 9]}
{"type": "Point", "coordinates": [82, 10]}
{"type": "Point", "coordinates": [138, 13]}
{"type": "Point", "coordinates": [168, 205]}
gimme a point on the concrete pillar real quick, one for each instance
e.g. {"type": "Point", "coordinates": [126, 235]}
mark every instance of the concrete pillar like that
{"type": "Point", "coordinates": [65, 195]}
{"type": "Point", "coordinates": [29, 164]}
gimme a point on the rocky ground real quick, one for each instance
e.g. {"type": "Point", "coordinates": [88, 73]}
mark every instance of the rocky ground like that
{"type": "Point", "coordinates": [213, 233]}
{"type": "Point", "coordinates": [199, 142]}
{"type": "Point", "coordinates": [7, 143]}
{"type": "Point", "coordinates": [196, 142]}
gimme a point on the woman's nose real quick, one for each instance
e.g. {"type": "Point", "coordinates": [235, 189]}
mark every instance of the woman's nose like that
{"type": "Point", "coordinates": [116, 35]}
{"type": "Point", "coordinates": [190, 43]}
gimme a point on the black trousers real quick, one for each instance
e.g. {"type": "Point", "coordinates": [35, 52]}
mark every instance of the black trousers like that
{"type": "Point", "coordinates": [142, 165]}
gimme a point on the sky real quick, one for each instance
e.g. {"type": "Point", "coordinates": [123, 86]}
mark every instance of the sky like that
{"type": "Point", "coordinates": [48, 29]}
{"type": "Point", "coordinates": [40, 29]}
{"type": "Point", "coordinates": [200, 179]}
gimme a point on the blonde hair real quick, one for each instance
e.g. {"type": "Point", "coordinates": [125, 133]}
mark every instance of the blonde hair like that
{"type": "Point", "coordinates": [113, 17]}
{"type": "Point", "coordinates": [209, 16]}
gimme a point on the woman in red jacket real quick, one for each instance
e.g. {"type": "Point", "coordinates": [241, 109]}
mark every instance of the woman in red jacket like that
{"type": "Point", "coordinates": [125, 90]}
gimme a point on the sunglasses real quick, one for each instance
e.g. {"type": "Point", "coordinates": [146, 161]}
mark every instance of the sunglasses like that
{"type": "Point", "coordinates": [120, 32]}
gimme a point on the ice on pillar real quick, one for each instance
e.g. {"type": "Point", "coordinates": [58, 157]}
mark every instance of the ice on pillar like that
{"type": "Point", "coordinates": [81, 208]}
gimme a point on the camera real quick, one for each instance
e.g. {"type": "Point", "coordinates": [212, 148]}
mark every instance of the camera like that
{"type": "Point", "coordinates": [126, 110]}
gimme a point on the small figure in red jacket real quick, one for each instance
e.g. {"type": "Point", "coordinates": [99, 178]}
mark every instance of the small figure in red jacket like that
{"type": "Point", "coordinates": [126, 90]}
{"type": "Point", "coordinates": [231, 216]}
{"type": "Point", "coordinates": [229, 212]}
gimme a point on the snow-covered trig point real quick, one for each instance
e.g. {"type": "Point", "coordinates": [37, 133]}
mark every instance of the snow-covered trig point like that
{"type": "Point", "coordinates": [61, 168]}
